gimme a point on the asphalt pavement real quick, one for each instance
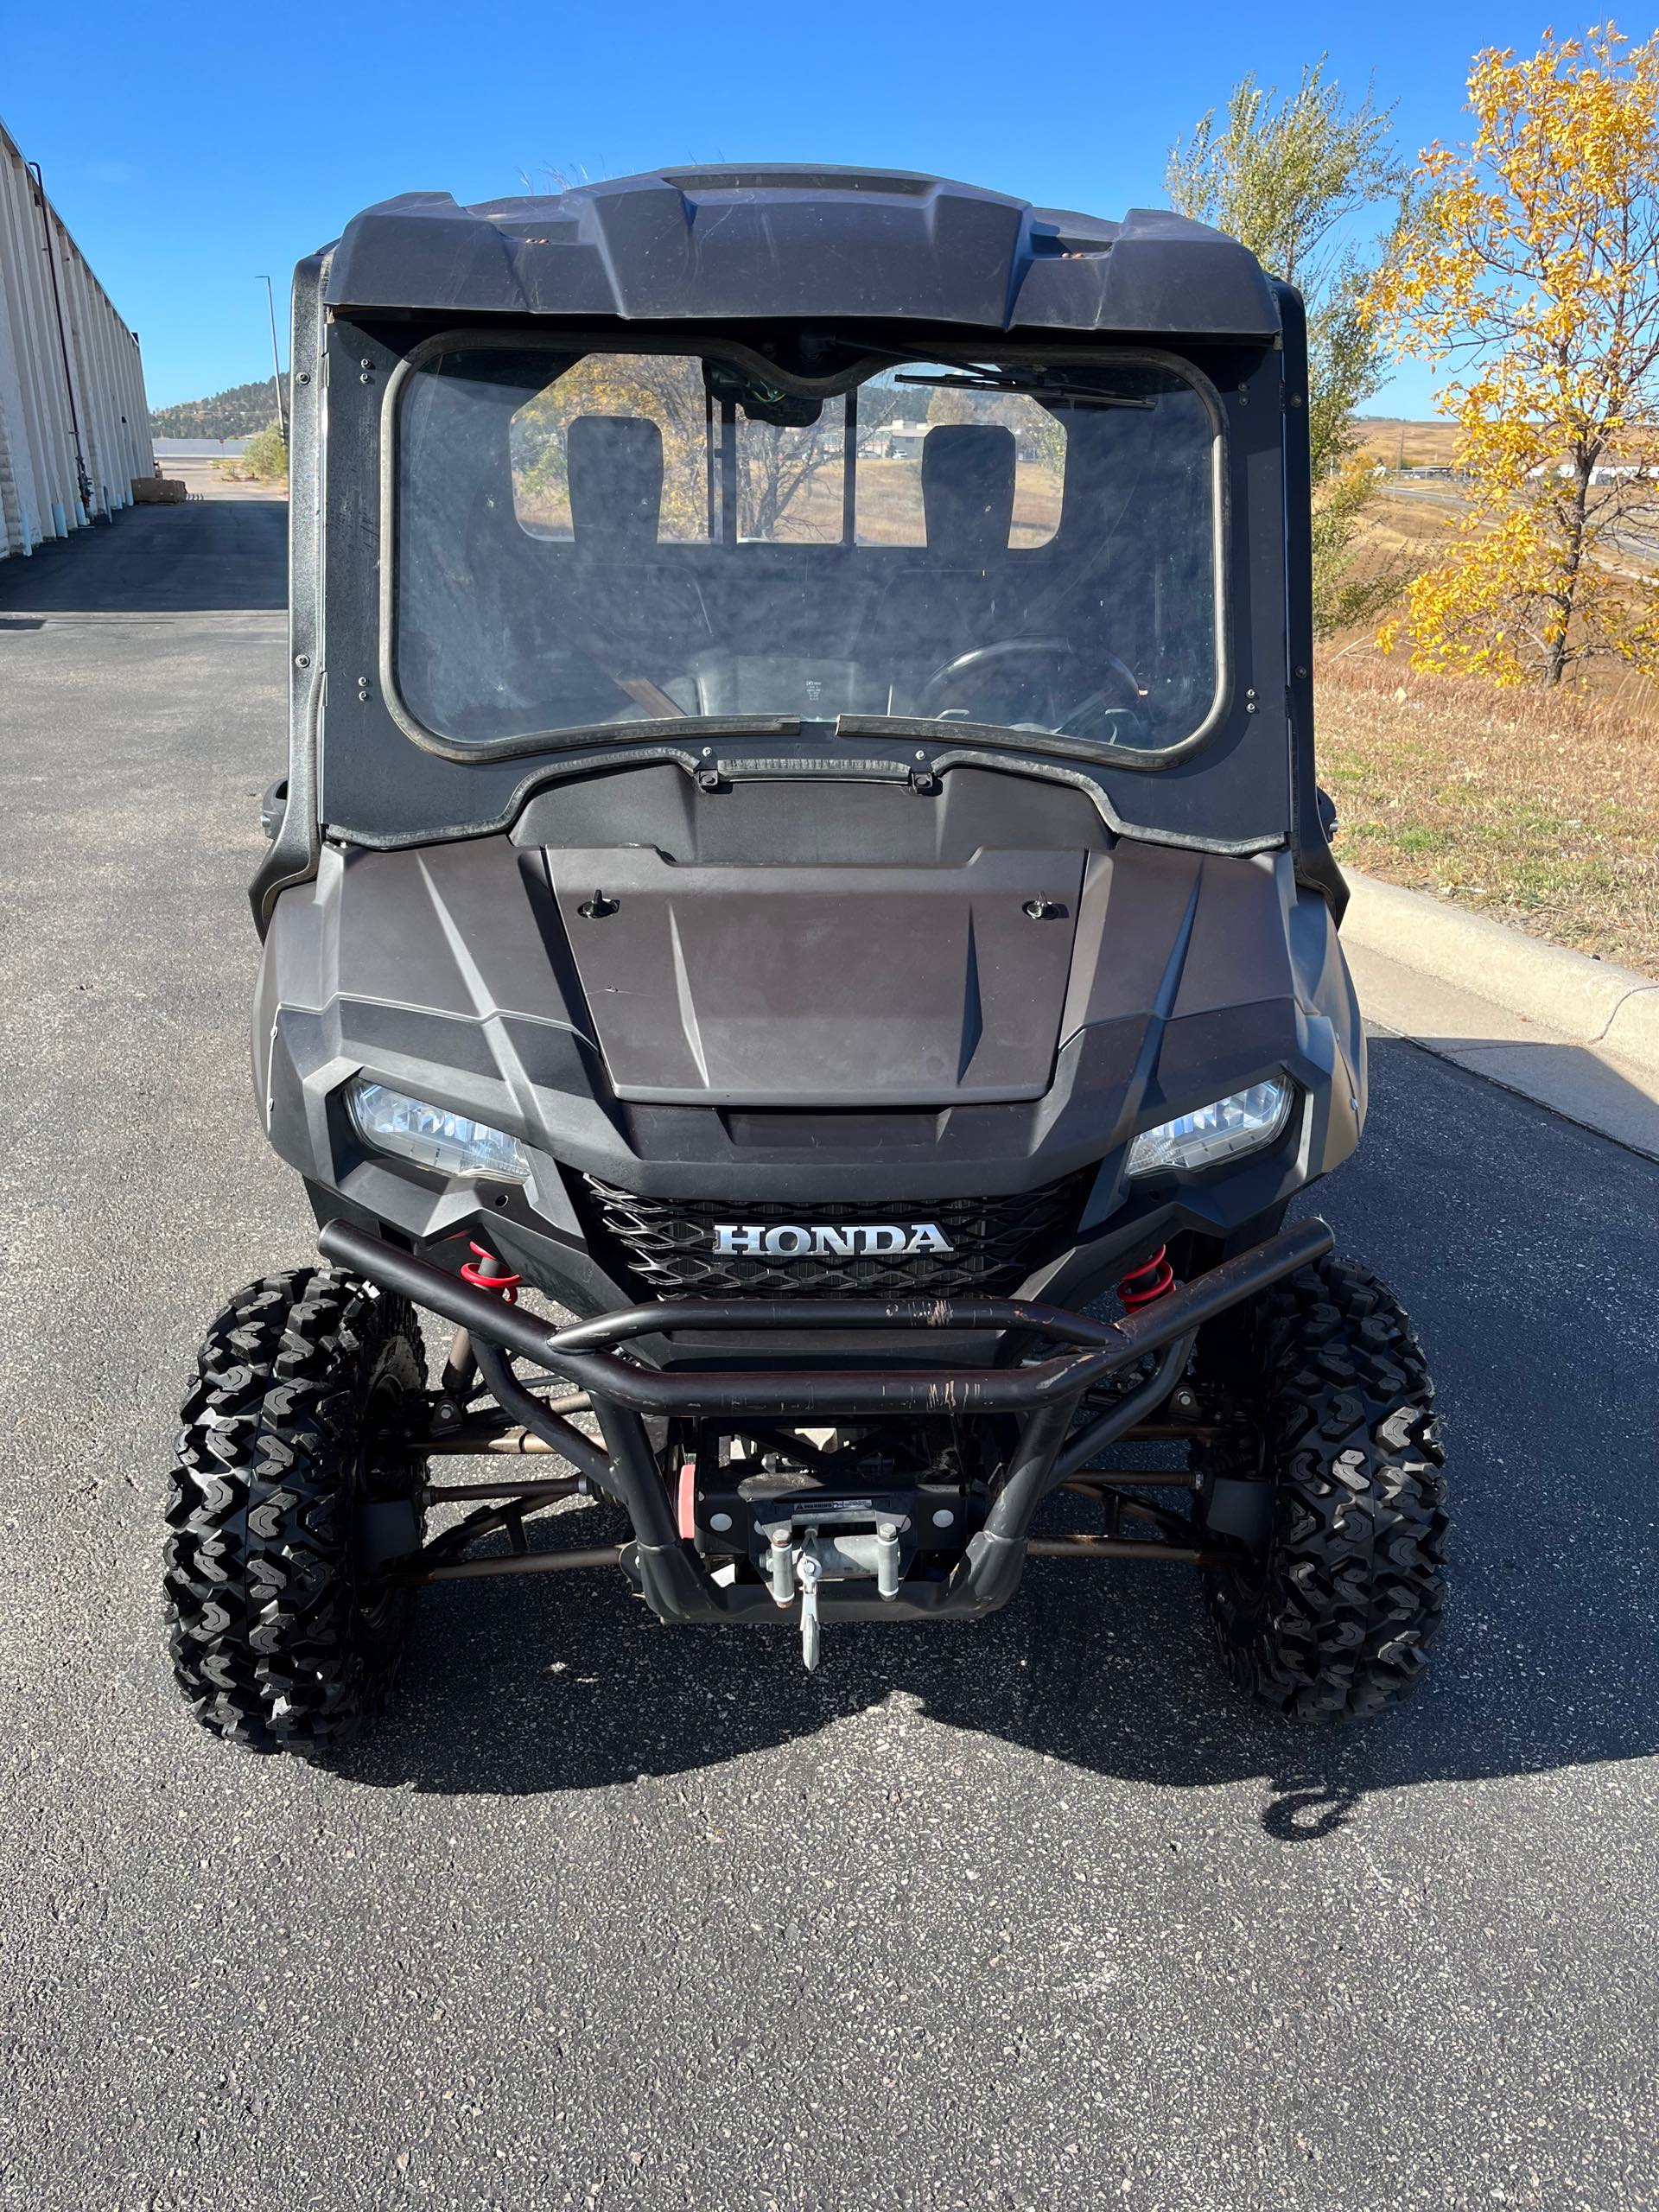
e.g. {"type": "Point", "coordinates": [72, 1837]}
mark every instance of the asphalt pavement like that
{"type": "Point", "coordinates": [1634, 535]}
{"type": "Point", "coordinates": [1033, 1913]}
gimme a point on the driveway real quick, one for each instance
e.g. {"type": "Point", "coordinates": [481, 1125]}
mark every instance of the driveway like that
{"type": "Point", "coordinates": [1026, 1914]}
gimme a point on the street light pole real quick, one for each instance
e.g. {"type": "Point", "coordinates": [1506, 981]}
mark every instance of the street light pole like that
{"type": "Point", "coordinates": [275, 360]}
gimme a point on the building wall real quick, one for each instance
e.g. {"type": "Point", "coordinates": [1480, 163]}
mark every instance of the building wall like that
{"type": "Point", "coordinates": [59, 469]}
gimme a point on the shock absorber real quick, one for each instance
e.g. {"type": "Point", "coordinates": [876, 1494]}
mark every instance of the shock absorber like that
{"type": "Point", "coordinates": [1145, 1285]}
{"type": "Point", "coordinates": [485, 1272]}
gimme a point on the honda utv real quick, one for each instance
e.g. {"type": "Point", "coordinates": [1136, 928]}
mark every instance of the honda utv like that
{"type": "Point", "coordinates": [800, 924]}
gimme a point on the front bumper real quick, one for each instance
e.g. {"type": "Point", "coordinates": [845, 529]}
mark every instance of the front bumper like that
{"type": "Point", "coordinates": [1043, 1397]}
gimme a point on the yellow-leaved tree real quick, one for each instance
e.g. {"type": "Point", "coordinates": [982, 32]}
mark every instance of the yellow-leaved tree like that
{"type": "Point", "coordinates": [1528, 259]}
{"type": "Point", "coordinates": [661, 388]}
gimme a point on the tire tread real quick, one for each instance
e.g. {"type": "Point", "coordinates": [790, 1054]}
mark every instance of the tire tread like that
{"type": "Point", "coordinates": [268, 1644]}
{"type": "Point", "coordinates": [1337, 1621]}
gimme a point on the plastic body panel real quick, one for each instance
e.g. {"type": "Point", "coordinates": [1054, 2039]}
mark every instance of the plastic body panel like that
{"type": "Point", "coordinates": [449, 972]}
{"type": "Point", "coordinates": [851, 986]}
{"type": "Point", "coordinates": [780, 241]}
{"type": "Point", "coordinates": [823, 990]}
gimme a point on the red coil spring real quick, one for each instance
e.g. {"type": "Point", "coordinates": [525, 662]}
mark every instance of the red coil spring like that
{"type": "Point", "coordinates": [1145, 1285]}
{"type": "Point", "coordinates": [504, 1285]}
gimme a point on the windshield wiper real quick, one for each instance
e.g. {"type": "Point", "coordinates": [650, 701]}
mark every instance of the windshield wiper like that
{"type": "Point", "coordinates": [1043, 387]}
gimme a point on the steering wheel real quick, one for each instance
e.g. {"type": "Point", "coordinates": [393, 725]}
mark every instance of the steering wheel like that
{"type": "Point", "coordinates": [970, 670]}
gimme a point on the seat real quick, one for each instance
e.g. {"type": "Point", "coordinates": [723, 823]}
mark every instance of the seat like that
{"type": "Point", "coordinates": [615, 465]}
{"type": "Point", "coordinates": [632, 612]}
{"type": "Point", "coordinates": [968, 507]}
{"type": "Point", "coordinates": [968, 491]}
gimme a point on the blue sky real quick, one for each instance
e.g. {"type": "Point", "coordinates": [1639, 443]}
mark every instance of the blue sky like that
{"type": "Point", "coordinates": [189, 150]}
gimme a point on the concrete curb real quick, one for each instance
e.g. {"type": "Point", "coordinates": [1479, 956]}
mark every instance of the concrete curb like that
{"type": "Point", "coordinates": [1613, 1011]}
{"type": "Point", "coordinates": [1575, 1034]}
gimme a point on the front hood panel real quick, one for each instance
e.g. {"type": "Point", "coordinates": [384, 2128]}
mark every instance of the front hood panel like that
{"type": "Point", "coordinates": [818, 1033]}
{"type": "Point", "coordinates": [822, 986]}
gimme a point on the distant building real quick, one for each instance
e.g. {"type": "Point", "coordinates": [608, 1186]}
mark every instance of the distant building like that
{"type": "Point", "coordinates": [74, 428]}
{"type": "Point", "coordinates": [1604, 472]}
{"type": "Point", "coordinates": [197, 449]}
{"type": "Point", "coordinates": [897, 441]}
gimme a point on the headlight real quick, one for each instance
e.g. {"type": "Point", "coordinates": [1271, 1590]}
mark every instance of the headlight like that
{"type": "Point", "coordinates": [1244, 1122]}
{"type": "Point", "coordinates": [432, 1137]}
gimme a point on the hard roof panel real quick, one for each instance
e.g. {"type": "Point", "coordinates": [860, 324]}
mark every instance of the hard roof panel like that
{"type": "Point", "coordinates": [748, 243]}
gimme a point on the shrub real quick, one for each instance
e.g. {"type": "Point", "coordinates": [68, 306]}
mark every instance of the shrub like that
{"type": "Point", "coordinates": [265, 455]}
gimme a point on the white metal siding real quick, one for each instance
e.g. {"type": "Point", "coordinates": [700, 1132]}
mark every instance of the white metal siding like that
{"type": "Point", "coordinates": [41, 490]}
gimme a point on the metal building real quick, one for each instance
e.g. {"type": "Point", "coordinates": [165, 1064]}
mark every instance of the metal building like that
{"type": "Point", "coordinates": [74, 428]}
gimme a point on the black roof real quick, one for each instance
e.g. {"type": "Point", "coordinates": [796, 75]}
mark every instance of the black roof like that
{"type": "Point", "coordinates": [750, 244]}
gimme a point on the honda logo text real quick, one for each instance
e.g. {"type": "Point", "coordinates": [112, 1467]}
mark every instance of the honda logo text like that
{"type": "Point", "coordinates": [826, 1241]}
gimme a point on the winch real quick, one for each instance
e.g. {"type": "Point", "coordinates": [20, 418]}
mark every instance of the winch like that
{"type": "Point", "coordinates": [845, 1542]}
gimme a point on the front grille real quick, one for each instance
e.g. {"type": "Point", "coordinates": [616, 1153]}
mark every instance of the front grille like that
{"type": "Point", "coordinates": [667, 1245]}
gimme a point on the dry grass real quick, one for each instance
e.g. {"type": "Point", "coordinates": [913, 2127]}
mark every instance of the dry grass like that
{"type": "Point", "coordinates": [1426, 445]}
{"type": "Point", "coordinates": [1543, 809]}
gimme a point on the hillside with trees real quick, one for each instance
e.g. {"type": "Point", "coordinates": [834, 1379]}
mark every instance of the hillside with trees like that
{"type": "Point", "coordinates": [237, 413]}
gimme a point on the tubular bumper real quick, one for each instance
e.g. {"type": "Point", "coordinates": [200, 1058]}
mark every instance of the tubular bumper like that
{"type": "Point", "coordinates": [1045, 1394]}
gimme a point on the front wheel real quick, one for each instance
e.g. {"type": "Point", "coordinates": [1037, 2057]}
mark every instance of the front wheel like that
{"type": "Point", "coordinates": [1330, 1612]}
{"type": "Point", "coordinates": [292, 1489]}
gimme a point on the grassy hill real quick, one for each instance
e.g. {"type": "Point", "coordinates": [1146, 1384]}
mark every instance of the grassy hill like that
{"type": "Point", "coordinates": [1426, 445]}
{"type": "Point", "coordinates": [237, 413]}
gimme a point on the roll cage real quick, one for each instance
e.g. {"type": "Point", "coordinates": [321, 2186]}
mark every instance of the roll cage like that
{"type": "Point", "coordinates": [366, 310]}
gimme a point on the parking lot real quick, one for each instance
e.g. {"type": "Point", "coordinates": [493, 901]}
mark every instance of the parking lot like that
{"type": "Point", "coordinates": [1026, 1914]}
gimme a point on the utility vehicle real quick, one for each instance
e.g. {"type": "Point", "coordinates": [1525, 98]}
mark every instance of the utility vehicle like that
{"type": "Point", "coordinates": [800, 846]}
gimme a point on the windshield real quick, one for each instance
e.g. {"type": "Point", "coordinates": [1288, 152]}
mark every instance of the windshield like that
{"type": "Point", "coordinates": [603, 538]}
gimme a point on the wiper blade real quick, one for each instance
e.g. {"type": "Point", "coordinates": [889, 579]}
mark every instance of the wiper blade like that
{"type": "Point", "coordinates": [651, 729]}
{"type": "Point", "coordinates": [1041, 387]}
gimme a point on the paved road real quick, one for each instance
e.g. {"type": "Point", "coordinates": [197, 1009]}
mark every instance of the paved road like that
{"type": "Point", "coordinates": [1634, 536]}
{"type": "Point", "coordinates": [1026, 1915]}
{"type": "Point", "coordinates": [225, 551]}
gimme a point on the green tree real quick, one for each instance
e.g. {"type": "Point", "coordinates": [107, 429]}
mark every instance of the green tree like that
{"type": "Point", "coordinates": [265, 455]}
{"type": "Point", "coordinates": [237, 413]}
{"type": "Point", "coordinates": [1289, 175]}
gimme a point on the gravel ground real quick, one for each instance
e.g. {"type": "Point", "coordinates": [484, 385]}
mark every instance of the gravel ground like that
{"type": "Point", "coordinates": [1029, 1913]}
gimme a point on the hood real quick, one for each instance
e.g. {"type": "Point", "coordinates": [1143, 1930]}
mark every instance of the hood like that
{"type": "Point", "coordinates": [832, 986]}
{"type": "Point", "coordinates": [467, 974]}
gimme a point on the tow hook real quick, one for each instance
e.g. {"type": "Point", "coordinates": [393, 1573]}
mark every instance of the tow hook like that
{"type": "Point", "coordinates": [810, 1570]}
{"type": "Point", "coordinates": [804, 1553]}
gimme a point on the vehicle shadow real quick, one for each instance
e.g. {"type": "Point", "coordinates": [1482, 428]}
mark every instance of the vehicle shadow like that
{"type": "Point", "coordinates": [567, 1683]}
{"type": "Point", "coordinates": [1544, 1357]}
